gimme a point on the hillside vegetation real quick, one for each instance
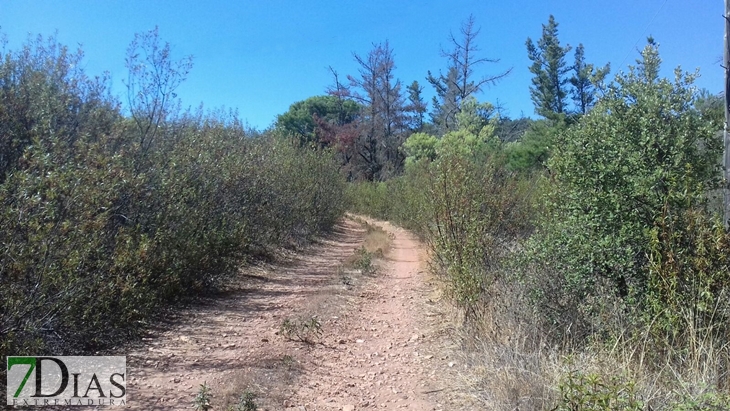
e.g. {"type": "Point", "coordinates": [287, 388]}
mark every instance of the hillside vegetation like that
{"type": "Point", "coordinates": [106, 216]}
{"type": "Point", "coordinates": [597, 277]}
{"type": "Point", "coordinates": [584, 250]}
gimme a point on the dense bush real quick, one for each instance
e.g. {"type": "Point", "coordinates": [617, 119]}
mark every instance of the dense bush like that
{"type": "Point", "coordinates": [101, 223]}
{"type": "Point", "coordinates": [629, 253]}
{"type": "Point", "coordinates": [457, 194]}
{"type": "Point", "coordinates": [642, 155]}
{"type": "Point", "coordinates": [687, 304]}
{"type": "Point", "coordinates": [627, 263]}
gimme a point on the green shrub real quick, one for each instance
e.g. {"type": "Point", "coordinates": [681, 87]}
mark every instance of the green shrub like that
{"type": "Point", "coordinates": [466, 205]}
{"type": "Point", "coordinates": [689, 271]}
{"type": "Point", "coordinates": [363, 261]}
{"type": "Point", "coordinates": [709, 401]}
{"type": "Point", "coordinates": [593, 392]}
{"type": "Point", "coordinates": [614, 172]}
{"type": "Point", "coordinates": [246, 402]}
{"type": "Point", "coordinates": [99, 229]}
{"type": "Point", "coordinates": [203, 398]}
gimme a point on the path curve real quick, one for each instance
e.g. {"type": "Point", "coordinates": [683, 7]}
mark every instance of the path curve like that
{"type": "Point", "coordinates": [384, 342]}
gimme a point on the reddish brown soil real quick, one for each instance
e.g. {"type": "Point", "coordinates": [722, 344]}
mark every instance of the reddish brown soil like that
{"type": "Point", "coordinates": [384, 343]}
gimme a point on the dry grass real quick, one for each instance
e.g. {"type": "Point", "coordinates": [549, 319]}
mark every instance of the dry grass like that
{"type": "Point", "coordinates": [376, 244]}
{"type": "Point", "coordinates": [270, 380]}
{"type": "Point", "coordinates": [515, 366]}
{"type": "Point", "coordinates": [377, 240]}
{"type": "Point", "coordinates": [508, 368]}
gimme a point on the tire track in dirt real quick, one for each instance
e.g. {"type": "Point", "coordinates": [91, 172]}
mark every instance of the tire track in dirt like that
{"type": "Point", "coordinates": [384, 344]}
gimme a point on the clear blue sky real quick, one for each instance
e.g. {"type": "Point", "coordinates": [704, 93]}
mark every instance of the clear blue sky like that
{"type": "Point", "coordinates": [261, 56]}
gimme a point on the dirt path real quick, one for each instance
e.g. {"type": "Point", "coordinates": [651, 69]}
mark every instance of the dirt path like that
{"type": "Point", "coordinates": [383, 344]}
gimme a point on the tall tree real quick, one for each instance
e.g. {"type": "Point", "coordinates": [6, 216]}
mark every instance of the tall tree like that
{"type": "Point", "coordinates": [343, 133]}
{"type": "Point", "coordinates": [384, 128]}
{"type": "Point", "coordinates": [460, 80]}
{"type": "Point", "coordinates": [303, 118]}
{"type": "Point", "coordinates": [417, 107]}
{"type": "Point", "coordinates": [585, 79]}
{"type": "Point", "coordinates": [548, 90]}
{"type": "Point", "coordinates": [446, 103]}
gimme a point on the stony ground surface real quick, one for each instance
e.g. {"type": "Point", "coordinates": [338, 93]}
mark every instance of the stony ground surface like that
{"type": "Point", "coordinates": [383, 343]}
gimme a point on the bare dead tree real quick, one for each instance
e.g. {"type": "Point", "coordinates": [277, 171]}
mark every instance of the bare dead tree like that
{"type": "Point", "coordinates": [384, 116]}
{"type": "Point", "coordinates": [342, 92]}
{"type": "Point", "coordinates": [460, 81]}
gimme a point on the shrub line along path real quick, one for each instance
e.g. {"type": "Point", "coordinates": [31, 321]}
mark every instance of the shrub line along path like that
{"type": "Point", "coordinates": [384, 342]}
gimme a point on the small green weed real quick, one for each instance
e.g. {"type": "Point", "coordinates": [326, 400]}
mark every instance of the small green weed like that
{"type": "Point", "coordinates": [344, 276]}
{"type": "Point", "coordinates": [710, 401]}
{"type": "Point", "coordinates": [245, 402]}
{"type": "Point", "coordinates": [364, 261]}
{"type": "Point", "coordinates": [593, 392]}
{"type": "Point", "coordinates": [288, 361]}
{"type": "Point", "coordinates": [308, 331]}
{"type": "Point", "coordinates": [202, 400]}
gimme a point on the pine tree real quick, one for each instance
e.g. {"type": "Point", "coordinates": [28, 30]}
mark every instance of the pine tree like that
{"type": "Point", "coordinates": [584, 81]}
{"type": "Point", "coordinates": [446, 102]}
{"type": "Point", "coordinates": [416, 105]}
{"type": "Point", "coordinates": [548, 90]}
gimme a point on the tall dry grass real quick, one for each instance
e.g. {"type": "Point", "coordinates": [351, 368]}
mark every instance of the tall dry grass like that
{"type": "Point", "coordinates": [515, 363]}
